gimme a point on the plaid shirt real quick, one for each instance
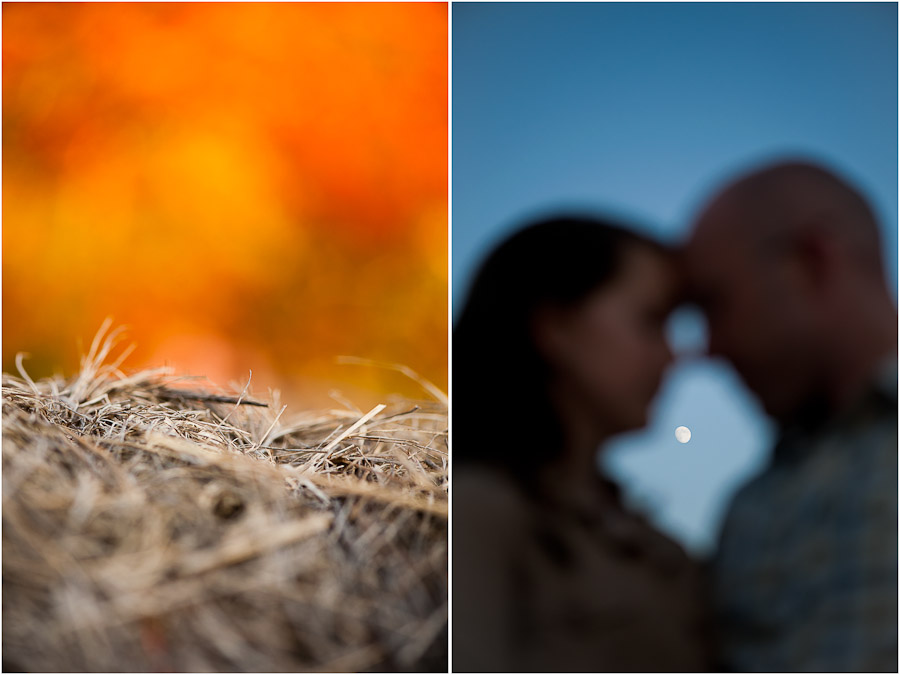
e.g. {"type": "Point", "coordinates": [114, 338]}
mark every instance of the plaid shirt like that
{"type": "Point", "coordinates": [805, 578]}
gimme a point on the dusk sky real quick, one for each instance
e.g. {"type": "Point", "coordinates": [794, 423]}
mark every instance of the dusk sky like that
{"type": "Point", "coordinates": [641, 110]}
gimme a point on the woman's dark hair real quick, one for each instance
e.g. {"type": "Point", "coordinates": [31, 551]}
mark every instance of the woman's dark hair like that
{"type": "Point", "coordinates": [502, 414]}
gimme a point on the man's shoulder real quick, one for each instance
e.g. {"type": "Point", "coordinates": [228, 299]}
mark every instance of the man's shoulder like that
{"type": "Point", "coordinates": [747, 509]}
{"type": "Point", "coordinates": [844, 470]}
{"type": "Point", "coordinates": [754, 491]}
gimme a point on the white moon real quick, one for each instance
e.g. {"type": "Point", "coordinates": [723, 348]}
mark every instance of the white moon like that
{"type": "Point", "coordinates": [683, 434]}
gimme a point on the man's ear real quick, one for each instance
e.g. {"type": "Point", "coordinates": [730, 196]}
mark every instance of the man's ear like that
{"type": "Point", "coordinates": [816, 252]}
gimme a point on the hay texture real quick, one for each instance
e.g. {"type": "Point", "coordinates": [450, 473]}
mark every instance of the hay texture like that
{"type": "Point", "coordinates": [149, 526]}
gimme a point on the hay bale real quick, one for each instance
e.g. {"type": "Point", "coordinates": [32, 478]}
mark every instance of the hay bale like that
{"type": "Point", "coordinates": [147, 527]}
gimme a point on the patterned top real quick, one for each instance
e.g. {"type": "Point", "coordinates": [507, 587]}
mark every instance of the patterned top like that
{"type": "Point", "coordinates": [805, 578]}
{"type": "Point", "coordinates": [568, 582]}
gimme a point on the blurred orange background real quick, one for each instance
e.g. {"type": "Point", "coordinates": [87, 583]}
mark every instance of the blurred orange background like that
{"type": "Point", "coordinates": [245, 186]}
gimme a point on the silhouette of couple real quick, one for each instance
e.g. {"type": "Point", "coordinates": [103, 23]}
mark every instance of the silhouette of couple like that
{"type": "Point", "coordinates": [561, 345]}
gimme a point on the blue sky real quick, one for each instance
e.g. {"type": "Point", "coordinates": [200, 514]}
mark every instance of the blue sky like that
{"type": "Point", "coordinates": [640, 110]}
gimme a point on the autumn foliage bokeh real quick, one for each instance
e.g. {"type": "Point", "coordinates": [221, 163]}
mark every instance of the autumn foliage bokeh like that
{"type": "Point", "coordinates": [245, 186]}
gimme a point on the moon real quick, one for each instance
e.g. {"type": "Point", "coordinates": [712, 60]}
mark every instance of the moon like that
{"type": "Point", "coordinates": [683, 434]}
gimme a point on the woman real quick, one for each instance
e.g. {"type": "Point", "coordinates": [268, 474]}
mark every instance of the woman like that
{"type": "Point", "coordinates": [561, 345]}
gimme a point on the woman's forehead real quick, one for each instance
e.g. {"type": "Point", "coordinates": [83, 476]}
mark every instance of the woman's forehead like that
{"type": "Point", "coordinates": [655, 272]}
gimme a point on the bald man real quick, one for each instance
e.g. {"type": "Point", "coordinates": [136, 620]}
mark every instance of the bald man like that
{"type": "Point", "coordinates": [786, 263]}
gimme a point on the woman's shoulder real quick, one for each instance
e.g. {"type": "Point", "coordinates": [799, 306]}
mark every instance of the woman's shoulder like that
{"type": "Point", "coordinates": [485, 497]}
{"type": "Point", "coordinates": [486, 486]}
{"type": "Point", "coordinates": [633, 525]}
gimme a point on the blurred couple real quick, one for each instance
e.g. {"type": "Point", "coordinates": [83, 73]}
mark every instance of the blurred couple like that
{"type": "Point", "coordinates": [561, 345]}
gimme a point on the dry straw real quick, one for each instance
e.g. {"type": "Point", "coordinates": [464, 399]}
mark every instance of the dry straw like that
{"type": "Point", "coordinates": [152, 527]}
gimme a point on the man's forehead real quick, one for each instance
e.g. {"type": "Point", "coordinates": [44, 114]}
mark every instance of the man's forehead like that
{"type": "Point", "coordinates": [723, 217]}
{"type": "Point", "coordinates": [715, 237]}
{"type": "Point", "coordinates": [716, 248]}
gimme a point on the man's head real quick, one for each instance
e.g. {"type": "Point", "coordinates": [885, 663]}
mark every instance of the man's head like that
{"type": "Point", "coordinates": [777, 261]}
